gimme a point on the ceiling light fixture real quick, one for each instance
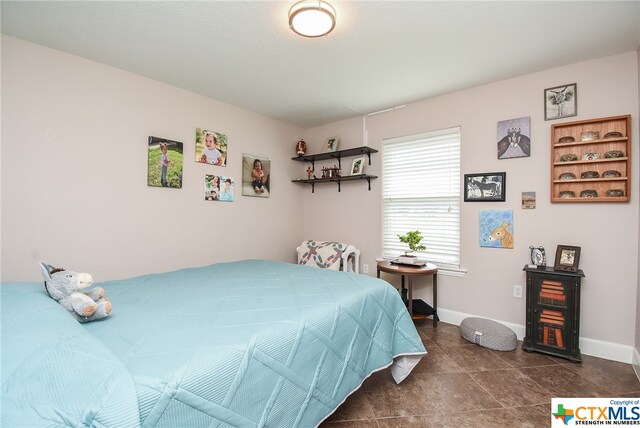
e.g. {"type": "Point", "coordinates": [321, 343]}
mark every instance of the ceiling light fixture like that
{"type": "Point", "coordinates": [312, 18]}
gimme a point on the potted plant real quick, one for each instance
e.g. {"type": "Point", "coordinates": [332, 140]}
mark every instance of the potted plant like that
{"type": "Point", "coordinates": [412, 239]}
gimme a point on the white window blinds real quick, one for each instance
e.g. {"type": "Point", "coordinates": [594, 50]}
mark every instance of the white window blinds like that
{"type": "Point", "coordinates": [421, 191]}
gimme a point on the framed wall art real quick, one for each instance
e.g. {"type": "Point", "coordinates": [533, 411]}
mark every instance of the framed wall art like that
{"type": "Point", "coordinates": [218, 188]}
{"type": "Point", "coordinates": [485, 187]}
{"type": "Point", "coordinates": [332, 144]}
{"type": "Point", "coordinates": [256, 176]}
{"type": "Point", "coordinates": [164, 165]}
{"type": "Point", "coordinates": [496, 229]}
{"type": "Point", "coordinates": [211, 187]}
{"type": "Point", "coordinates": [357, 166]}
{"type": "Point", "coordinates": [211, 147]}
{"type": "Point", "coordinates": [226, 188]}
{"type": "Point", "coordinates": [567, 258]}
{"type": "Point", "coordinates": [514, 138]}
{"type": "Point", "coordinates": [528, 200]}
{"type": "Point", "coordinates": [561, 101]}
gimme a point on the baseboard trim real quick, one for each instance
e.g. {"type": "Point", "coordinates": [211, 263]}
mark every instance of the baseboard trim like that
{"type": "Point", "coordinates": [596, 348]}
{"type": "Point", "coordinates": [636, 362]}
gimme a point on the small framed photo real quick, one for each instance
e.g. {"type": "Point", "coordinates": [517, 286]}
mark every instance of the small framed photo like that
{"type": "Point", "coordinates": [332, 144]}
{"type": "Point", "coordinates": [211, 187]}
{"type": "Point", "coordinates": [218, 188]}
{"type": "Point", "coordinates": [561, 101]}
{"type": "Point", "coordinates": [528, 200]}
{"type": "Point", "coordinates": [357, 166]}
{"type": "Point", "coordinates": [485, 187]}
{"type": "Point", "coordinates": [567, 258]}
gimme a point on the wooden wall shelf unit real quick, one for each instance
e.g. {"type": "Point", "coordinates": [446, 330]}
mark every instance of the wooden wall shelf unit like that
{"type": "Point", "coordinates": [592, 172]}
{"type": "Point", "coordinates": [337, 155]}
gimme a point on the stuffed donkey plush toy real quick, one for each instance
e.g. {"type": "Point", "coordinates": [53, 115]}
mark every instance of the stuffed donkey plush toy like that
{"type": "Point", "coordinates": [65, 288]}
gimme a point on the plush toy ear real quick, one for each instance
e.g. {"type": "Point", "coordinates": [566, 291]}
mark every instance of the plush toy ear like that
{"type": "Point", "coordinates": [46, 271]}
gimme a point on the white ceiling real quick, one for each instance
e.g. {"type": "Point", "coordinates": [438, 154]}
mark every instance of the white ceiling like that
{"type": "Point", "coordinates": [381, 54]}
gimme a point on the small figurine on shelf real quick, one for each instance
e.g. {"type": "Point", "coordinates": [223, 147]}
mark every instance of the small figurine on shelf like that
{"type": "Point", "coordinates": [301, 148]}
{"type": "Point", "coordinates": [309, 173]}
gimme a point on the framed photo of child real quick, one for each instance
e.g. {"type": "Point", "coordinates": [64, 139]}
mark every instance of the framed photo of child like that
{"type": "Point", "coordinates": [256, 175]}
{"type": "Point", "coordinates": [164, 165]}
{"type": "Point", "coordinates": [211, 187]}
{"type": "Point", "coordinates": [218, 188]}
{"type": "Point", "coordinates": [332, 144]}
{"type": "Point", "coordinates": [226, 188]}
{"type": "Point", "coordinates": [211, 147]}
{"type": "Point", "coordinates": [357, 166]}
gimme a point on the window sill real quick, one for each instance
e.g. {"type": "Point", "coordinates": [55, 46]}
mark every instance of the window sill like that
{"type": "Point", "coordinates": [458, 272]}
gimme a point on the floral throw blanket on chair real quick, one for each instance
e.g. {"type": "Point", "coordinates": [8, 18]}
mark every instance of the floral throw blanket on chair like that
{"type": "Point", "coordinates": [322, 254]}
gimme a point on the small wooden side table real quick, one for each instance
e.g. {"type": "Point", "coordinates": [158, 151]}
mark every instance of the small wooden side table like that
{"type": "Point", "coordinates": [410, 271]}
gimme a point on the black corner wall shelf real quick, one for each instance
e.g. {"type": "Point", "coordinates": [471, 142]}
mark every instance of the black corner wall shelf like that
{"type": "Point", "coordinates": [337, 155]}
{"type": "Point", "coordinates": [338, 180]}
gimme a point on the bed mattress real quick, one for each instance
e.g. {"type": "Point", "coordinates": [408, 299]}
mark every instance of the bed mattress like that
{"type": "Point", "coordinates": [254, 343]}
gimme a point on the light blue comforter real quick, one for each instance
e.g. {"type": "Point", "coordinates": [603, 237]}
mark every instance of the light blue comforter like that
{"type": "Point", "coordinates": [245, 344]}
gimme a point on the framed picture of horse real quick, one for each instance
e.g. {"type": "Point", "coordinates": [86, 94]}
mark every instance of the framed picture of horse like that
{"type": "Point", "coordinates": [485, 187]}
{"type": "Point", "coordinates": [496, 228]}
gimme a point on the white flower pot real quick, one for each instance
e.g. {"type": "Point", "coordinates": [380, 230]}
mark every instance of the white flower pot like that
{"type": "Point", "coordinates": [410, 260]}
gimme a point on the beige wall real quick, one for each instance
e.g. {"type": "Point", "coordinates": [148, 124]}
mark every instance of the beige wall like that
{"type": "Point", "coordinates": [637, 341]}
{"type": "Point", "coordinates": [74, 164]}
{"type": "Point", "coordinates": [607, 233]}
{"type": "Point", "coordinates": [74, 183]}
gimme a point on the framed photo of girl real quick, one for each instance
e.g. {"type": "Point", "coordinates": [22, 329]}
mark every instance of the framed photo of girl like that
{"type": "Point", "coordinates": [357, 166]}
{"type": "Point", "coordinates": [256, 175]}
{"type": "Point", "coordinates": [211, 147]}
{"type": "Point", "coordinates": [332, 144]}
{"type": "Point", "coordinates": [164, 165]}
{"type": "Point", "coordinates": [211, 187]}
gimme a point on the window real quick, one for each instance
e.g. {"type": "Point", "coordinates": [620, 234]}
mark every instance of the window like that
{"type": "Point", "coordinates": [421, 191]}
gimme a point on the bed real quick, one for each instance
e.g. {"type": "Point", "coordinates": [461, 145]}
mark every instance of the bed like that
{"type": "Point", "coordinates": [253, 343]}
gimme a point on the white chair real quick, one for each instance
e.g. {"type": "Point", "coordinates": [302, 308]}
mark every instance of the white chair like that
{"type": "Point", "coordinates": [349, 259]}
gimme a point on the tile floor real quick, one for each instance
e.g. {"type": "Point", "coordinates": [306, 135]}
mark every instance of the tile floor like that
{"type": "Point", "coordinates": [459, 384]}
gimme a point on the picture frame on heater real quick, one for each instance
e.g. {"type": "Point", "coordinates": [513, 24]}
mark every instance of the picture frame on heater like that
{"type": "Point", "coordinates": [567, 258]}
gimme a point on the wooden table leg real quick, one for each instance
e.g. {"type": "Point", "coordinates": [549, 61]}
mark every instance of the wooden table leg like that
{"type": "Point", "coordinates": [435, 299]}
{"type": "Point", "coordinates": [410, 295]}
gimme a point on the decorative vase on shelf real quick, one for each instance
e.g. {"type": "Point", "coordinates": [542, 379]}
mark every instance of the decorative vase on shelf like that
{"type": "Point", "coordinates": [301, 148]}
